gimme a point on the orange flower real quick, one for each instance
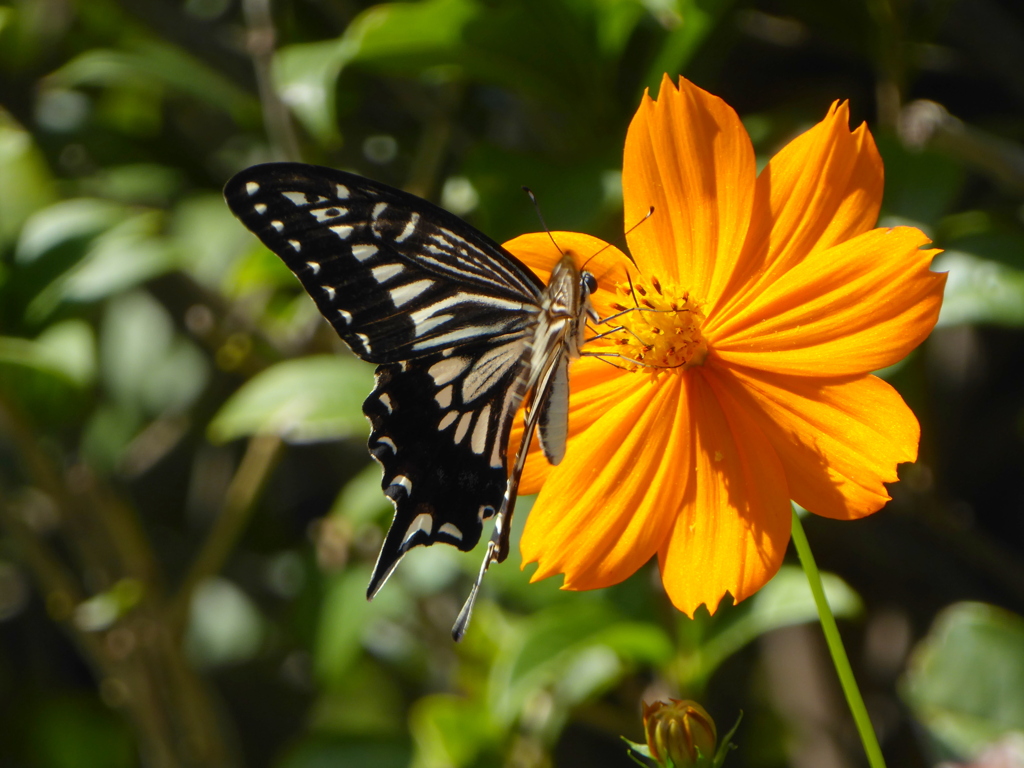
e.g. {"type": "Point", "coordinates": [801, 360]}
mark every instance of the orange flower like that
{"type": "Point", "coordinates": [773, 301]}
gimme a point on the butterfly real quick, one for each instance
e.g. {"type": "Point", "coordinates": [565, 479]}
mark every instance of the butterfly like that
{"type": "Point", "coordinates": [462, 334]}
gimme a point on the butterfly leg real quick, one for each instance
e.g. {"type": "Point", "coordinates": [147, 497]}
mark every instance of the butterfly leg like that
{"type": "Point", "coordinates": [499, 544]}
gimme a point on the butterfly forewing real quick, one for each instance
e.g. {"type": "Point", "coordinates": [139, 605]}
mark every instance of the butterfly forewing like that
{"type": "Point", "coordinates": [448, 315]}
{"type": "Point", "coordinates": [397, 277]}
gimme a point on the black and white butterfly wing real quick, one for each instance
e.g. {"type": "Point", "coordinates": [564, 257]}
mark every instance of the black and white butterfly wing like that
{"type": "Point", "coordinates": [446, 313]}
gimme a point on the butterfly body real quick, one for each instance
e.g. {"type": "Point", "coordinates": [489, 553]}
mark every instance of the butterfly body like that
{"type": "Point", "coordinates": [462, 333]}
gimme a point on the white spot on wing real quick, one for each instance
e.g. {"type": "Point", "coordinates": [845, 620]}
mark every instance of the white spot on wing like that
{"type": "Point", "coordinates": [295, 244]}
{"type": "Point", "coordinates": [342, 230]}
{"type": "Point", "coordinates": [365, 341]}
{"type": "Point", "coordinates": [341, 191]}
{"type": "Point", "coordinates": [385, 272]}
{"type": "Point", "coordinates": [452, 530]}
{"type": "Point", "coordinates": [384, 440]}
{"type": "Point", "coordinates": [403, 294]}
{"type": "Point", "coordinates": [424, 521]}
{"type": "Point", "coordinates": [346, 316]}
{"type": "Point", "coordinates": [463, 426]}
{"type": "Point", "coordinates": [452, 236]}
{"type": "Point", "coordinates": [444, 397]}
{"type": "Point", "coordinates": [327, 214]}
{"type": "Point", "coordinates": [314, 265]}
{"type": "Point", "coordinates": [403, 481]}
{"type": "Point", "coordinates": [428, 325]}
{"type": "Point", "coordinates": [297, 198]}
{"type": "Point", "coordinates": [385, 400]}
{"type": "Point", "coordinates": [363, 251]}
{"type": "Point", "coordinates": [252, 187]}
{"type": "Point", "coordinates": [447, 420]}
{"type": "Point", "coordinates": [410, 227]}
{"type": "Point", "coordinates": [378, 209]}
{"type": "Point", "coordinates": [446, 370]}
{"type": "Point", "coordinates": [329, 291]}
{"type": "Point", "coordinates": [279, 226]}
{"type": "Point", "coordinates": [479, 440]}
{"type": "Point", "coordinates": [261, 208]}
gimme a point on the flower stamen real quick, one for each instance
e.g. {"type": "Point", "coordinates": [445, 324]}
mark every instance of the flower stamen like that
{"type": "Point", "coordinates": [661, 331]}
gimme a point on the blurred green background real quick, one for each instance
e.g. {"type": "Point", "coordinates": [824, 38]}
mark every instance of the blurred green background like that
{"type": "Point", "coordinates": [188, 514]}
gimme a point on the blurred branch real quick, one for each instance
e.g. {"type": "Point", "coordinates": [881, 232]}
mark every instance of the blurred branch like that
{"type": "Point", "coordinates": [211, 320]}
{"type": "Point", "coordinates": [261, 40]}
{"type": "Point", "coordinates": [59, 588]}
{"type": "Point", "coordinates": [438, 128]}
{"type": "Point", "coordinates": [97, 561]}
{"type": "Point", "coordinates": [239, 501]}
{"type": "Point", "coordinates": [925, 124]}
{"type": "Point", "coordinates": [889, 63]}
{"type": "Point", "coordinates": [137, 660]}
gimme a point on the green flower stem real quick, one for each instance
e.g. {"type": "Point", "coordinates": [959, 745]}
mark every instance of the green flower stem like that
{"type": "Point", "coordinates": [835, 647]}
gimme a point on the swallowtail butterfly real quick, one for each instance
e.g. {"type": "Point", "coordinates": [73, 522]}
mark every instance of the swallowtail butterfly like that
{"type": "Point", "coordinates": [462, 332]}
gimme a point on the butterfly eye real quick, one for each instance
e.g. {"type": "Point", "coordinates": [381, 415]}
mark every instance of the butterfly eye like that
{"type": "Point", "coordinates": [589, 283]}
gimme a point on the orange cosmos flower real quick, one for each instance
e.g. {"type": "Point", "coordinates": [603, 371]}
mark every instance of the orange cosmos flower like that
{"type": "Point", "coordinates": [774, 301]}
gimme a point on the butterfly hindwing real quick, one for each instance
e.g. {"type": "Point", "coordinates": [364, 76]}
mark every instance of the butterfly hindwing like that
{"type": "Point", "coordinates": [443, 457]}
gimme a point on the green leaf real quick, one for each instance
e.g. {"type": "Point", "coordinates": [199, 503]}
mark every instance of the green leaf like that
{"type": "Point", "coordinates": [571, 195]}
{"type": "Point", "coordinates": [314, 398]}
{"type": "Point", "coordinates": [980, 291]}
{"type": "Point", "coordinates": [555, 52]}
{"type": "Point", "coordinates": [24, 177]}
{"type": "Point", "coordinates": [346, 619]}
{"type": "Point", "coordinates": [135, 183]}
{"type": "Point", "coordinates": [402, 37]}
{"type": "Point", "coordinates": [784, 601]}
{"type": "Point", "coordinates": [451, 730]}
{"type": "Point", "coordinates": [225, 626]}
{"type": "Point", "coordinates": [81, 219]}
{"type": "Point", "coordinates": [965, 680]}
{"type": "Point", "coordinates": [691, 24]}
{"type": "Point", "coordinates": [69, 731]}
{"type": "Point", "coordinates": [149, 64]}
{"type": "Point", "coordinates": [67, 349]}
{"type": "Point", "coordinates": [361, 500]}
{"type": "Point", "coordinates": [48, 376]}
{"type": "Point", "coordinates": [84, 250]}
{"type": "Point", "coordinates": [146, 365]}
{"type": "Point", "coordinates": [578, 647]}
{"type": "Point", "coordinates": [920, 186]}
{"type": "Point", "coordinates": [321, 751]}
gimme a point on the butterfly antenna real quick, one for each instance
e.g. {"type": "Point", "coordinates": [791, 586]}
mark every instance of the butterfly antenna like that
{"type": "Point", "coordinates": [632, 292]}
{"type": "Point", "coordinates": [626, 253]}
{"type": "Point", "coordinates": [536, 207]}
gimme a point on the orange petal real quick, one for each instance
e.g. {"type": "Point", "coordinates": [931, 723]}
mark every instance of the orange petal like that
{"type": "Point", "coordinates": [608, 507]}
{"type": "Point", "coordinates": [688, 155]}
{"type": "Point", "coordinates": [734, 525]}
{"type": "Point", "coordinates": [847, 310]}
{"type": "Point", "coordinates": [821, 189]}
{"type": "Point", "coordinates": [594, 388]}
{"type": "Point", "coordinates": [839, 441]}
{"type": "Point", "coordinates": [603, 260]}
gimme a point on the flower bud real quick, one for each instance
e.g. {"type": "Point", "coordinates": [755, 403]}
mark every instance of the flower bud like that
{"type": "Point", "coordinates": [681, 732]}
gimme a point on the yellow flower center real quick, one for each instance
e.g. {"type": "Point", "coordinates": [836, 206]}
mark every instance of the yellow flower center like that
{"type": "Point", "coordinates": [659, 326]}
